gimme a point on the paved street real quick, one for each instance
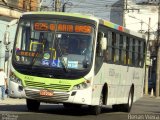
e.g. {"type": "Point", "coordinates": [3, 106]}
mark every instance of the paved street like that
{"type": "Point", "coordinates": [16, 109]}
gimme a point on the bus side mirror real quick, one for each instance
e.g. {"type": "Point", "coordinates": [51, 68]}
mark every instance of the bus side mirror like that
{"type": "Point", "coordinates": [6, 38]}
{"type": "Point", "coordinates": [103, 43]}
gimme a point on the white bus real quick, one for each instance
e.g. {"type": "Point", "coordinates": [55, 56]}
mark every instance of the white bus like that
{"type": "Point", "coordinates": [48, 63]}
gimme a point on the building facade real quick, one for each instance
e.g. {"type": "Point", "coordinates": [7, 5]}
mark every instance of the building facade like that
{"type": "Point", "coordinates": [145, 20]}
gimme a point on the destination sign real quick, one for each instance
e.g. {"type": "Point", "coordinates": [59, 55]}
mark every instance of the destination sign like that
{"type": "Point", "coordinates": [61, 27]}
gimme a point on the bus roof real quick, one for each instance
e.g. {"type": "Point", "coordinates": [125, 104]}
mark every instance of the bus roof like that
{"type": "Point", "coordinates": [120, 28]}
{"type": "Point", "coordinates": [91, 17]}
{"type": "Point", "coordinates": [79, 15]}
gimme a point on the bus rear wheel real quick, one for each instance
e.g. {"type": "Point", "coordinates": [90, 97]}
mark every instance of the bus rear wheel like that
{"type": "Point", "coordinates": [32, 105]}
{"type": "Point", "coordinates": [127, 107]}
{"type": "Point", "coordinates": [98, 108]}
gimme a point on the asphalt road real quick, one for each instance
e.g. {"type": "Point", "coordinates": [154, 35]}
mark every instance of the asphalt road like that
{"type": "Point", "coordinates": [143, 109]}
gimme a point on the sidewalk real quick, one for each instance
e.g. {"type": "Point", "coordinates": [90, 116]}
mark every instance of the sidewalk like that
{"type": "Point", "coordinates": [12, 101]}
{"type": "Point", "coordinates": [149, 97]}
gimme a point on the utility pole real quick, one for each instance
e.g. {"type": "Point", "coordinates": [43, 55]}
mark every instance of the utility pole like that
{"type": "Point", "coordinates": [147, 60]}
{"type": "Point", "coordinates": [158, 55]}
{"type": "Point", "coordinates": [128, 9]}
{"type": "Point", "coordinates": [125, 8]}
{"type": "Point", "coordinates": [57, 5]}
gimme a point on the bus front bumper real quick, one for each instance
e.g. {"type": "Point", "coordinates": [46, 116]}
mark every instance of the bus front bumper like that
{"type": "Point", "coordinates": [75, 96]}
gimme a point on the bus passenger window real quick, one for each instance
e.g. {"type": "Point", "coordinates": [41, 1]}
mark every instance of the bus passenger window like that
{"type": "Point", "coordinates": [142, 53]}
{"type": "Point", "coordinates": [130, 62]}
{"type": "Point", "coordinates": [109, 50]}
{"type": "Point", "coordinates": [139, 54]}
{"type": "Point", "coordinates": [133, 52]}
{"type": "Point", "coordinates": [117, 48]}
{"type": "Point", "coordinates": [106, 52]}
{"type": "Point", "coordinates": [136, 53]}
{"type": "Point", "coordinates": [120, 48]}
{"type": "Point", "coordinates": [123, 50]}
{"type": "Point", "coordinates": [113, 46]}
{"type": "Point", "coordinates": [127, 51]}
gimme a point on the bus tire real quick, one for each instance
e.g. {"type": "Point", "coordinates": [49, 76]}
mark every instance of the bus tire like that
{"type": "Point", "coordinates": [72, 106]}
{"type": "Point", "coordinates": [127, 107]}
{"type": "Point", "coordinates": [116, 108]}
{"type": "Point", "coordinates": [32, 105]}
{"type": "Point", "coordinates": [95, 110]}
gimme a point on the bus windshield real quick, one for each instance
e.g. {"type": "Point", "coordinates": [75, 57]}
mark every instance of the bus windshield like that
{"type": "Point", "coordinates": [54, 44]}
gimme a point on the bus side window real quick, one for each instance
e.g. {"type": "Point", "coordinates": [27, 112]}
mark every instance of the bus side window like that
{"type": "Point", "coordinates": [133, 51]}
{"type": "Point", "coordinates": [136, 53]}
{"type": "Point", "coordinates": [130, 51]}
{"type": "Point", "coordinates": [124, 45]}
{"type": "Point", "coordinates": [127, 51]}
{"type": "Point", "coordinates": [106, 52]}
{"type": "Point", "coordinates": [116, 56]}
{"type": "Point", "coordinates": [130, 62]}
{"type": "Point", "coordinates": [99, 51]}
{"type": "Point", "coordinates": [113, 46]}
{"type": "Point", "coordinates": [121, 51]}
{"type": "Point", "coordinates": [109, 50]}
{"type": "Point", "coordinates": [142, 53]}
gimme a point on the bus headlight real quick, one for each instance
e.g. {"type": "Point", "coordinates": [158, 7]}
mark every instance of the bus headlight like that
{"type": "Point", "coordinates": [81, 86]}
{"type": "Point", "coordinates": [15, 79]}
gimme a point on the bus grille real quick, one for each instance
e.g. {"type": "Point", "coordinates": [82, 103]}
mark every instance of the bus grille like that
{"type": "Point", "coordinates": [44, 86]}
{"type": "Point", "coordinates": [55, 98]}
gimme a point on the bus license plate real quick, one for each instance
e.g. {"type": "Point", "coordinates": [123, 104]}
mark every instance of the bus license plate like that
{"type": "Point", "coordinates": [46, 93]}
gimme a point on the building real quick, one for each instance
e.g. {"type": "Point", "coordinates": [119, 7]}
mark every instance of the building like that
{"type": "Point", "coordinates": [9, 10]}
{"type": "Point", "coordinates": [145, 20]}
{"type": "Point", "coordinates": [23, 5]}
{"type": "Point", "coordinates": [107, 9]}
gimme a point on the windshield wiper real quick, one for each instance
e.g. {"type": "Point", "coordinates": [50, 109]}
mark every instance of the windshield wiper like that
{"type": "Point", "coordinates": [34, 58]}
{"type": "Point", "coordinates": [62, 59]}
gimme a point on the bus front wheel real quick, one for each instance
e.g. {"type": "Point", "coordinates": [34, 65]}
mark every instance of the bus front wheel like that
{"type": "Point", "coordinates": [32, 105]}
{"type": "Point", "coordinates": [98, 108]}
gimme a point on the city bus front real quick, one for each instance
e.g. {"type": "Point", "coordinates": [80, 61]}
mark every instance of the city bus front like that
{"type": "Point", "coordinates": [53, 58]}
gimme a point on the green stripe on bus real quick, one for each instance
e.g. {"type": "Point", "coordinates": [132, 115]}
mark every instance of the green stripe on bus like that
{"type": "Point", "coordinates": [42, 82]}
